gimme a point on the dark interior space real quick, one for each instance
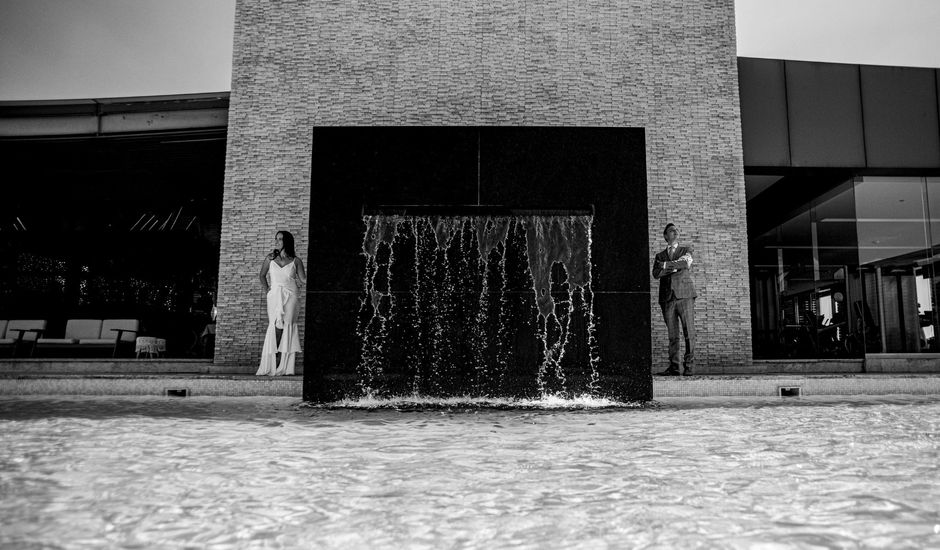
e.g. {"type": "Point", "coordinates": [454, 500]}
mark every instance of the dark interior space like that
{"type": "Point", "coordinates": [114, 227]}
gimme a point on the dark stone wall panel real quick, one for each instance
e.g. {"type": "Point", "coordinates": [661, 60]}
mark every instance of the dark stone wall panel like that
{"type": "Point", "coordinates": [825, 115]}
{"type": "Point", "coordinates": [764, 126]}
{"type": "Point", "coordinates": [573, 167]}
{"type": "Point", "coordinates": [546, 168]}
{"type": "Point", "coordinates": [901, 128]}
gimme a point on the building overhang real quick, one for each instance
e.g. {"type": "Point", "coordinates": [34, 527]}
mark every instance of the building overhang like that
{"type": "Point", "coordinates": [113, 116]}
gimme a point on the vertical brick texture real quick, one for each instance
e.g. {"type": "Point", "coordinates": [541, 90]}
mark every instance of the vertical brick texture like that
{"type": "Point", "coordinates": [668, 66]}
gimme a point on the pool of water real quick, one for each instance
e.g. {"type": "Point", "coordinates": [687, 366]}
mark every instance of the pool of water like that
{"type": "Point", "coordinates": [265, 473]}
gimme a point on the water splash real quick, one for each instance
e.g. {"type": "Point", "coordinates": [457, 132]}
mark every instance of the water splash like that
{"type": "Point", "coordinates": [458, 318]}
{"type": "Point", "coordinates": [423, 402]}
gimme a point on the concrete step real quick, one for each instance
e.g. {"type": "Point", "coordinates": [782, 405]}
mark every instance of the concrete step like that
{"type": "Point", "coordinates": [21, 382]}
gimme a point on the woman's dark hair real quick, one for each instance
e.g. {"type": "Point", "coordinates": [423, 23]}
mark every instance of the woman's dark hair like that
{"type": "Point", "coordinates": [288, 243]}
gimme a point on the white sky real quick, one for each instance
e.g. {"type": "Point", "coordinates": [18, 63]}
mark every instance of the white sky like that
{"type": "Point", "coordinates": [55, 49]}
{"type": "Point", "coordinates": [875, 32]}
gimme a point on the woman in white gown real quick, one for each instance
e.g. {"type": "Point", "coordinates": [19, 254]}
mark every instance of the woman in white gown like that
{"type": "Point", "coordinates": [281, 341]}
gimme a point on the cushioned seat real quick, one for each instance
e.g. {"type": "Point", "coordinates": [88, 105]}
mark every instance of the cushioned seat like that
{"type": "Point", "coordinates": [16, 332]}
{"type": "Point", "coordinates": [93, 333]}
{"type": "Point", "coordinates": [30, 329]}
{"type": "Point", "coordinates": [75, 330]}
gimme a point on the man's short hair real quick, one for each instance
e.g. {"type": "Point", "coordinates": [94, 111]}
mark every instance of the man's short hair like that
{"type": "Point", "coordinates": [668, 225]}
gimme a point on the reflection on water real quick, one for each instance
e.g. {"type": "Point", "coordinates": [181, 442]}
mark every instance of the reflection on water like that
{"type": "Point", "coordinates": [264, 472]}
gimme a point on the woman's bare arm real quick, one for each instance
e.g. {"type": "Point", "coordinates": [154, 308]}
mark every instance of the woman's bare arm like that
{"type": "Point", "coordinates": [263, 276]}
{"type": "Point", "coordinates": [301, 272]}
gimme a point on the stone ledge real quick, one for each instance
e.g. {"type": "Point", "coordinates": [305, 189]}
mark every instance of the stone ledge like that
{"type": "Point", "coordinates": [234, 385]}
{"type": "Point", "coordinates": [897, 362]}
{"type": "Point", "coordinates": [123, 366]}
{"type": "Point", "coordinates": [809, 384]}
{"type": "Point", "coordinates": [156, 384]}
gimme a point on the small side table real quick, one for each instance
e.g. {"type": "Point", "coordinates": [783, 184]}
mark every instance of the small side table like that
{"type": "Point", "coordinates": [149, 346]}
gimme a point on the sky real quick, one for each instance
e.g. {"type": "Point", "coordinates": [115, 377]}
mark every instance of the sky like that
{"type": "Point", "coordinates": [73, 49]}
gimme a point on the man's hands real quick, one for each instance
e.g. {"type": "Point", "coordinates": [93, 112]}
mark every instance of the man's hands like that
{"type": "Point", "coordinates": [681, 263]}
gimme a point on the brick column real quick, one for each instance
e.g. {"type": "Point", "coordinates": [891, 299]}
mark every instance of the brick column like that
{"type": "Point", "coordinates": [668, 66]}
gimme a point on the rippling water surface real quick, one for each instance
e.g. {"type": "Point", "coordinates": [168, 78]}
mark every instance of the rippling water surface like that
{"type": "Point", "coordinates": [264, 472]}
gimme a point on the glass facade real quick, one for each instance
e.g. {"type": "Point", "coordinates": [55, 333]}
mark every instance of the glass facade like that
{"type": "Point", "coordinates": [850, 272]}
{"type": "Point", "coordinates": [117, 228]}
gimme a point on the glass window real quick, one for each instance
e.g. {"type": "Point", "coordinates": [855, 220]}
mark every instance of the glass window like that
{"type": "Point", "coordinates": [928, 281]}
{"type": "Point", "coordinates": [836, 276]}
{"type": "Point", "coordinates": [800, 280]}
{"type": "Point", "coordinates": [123, 228]}
{"type": "Point", "coordinates": [852, 271]}
{"type": "Point", "coordinates": [894, 249]}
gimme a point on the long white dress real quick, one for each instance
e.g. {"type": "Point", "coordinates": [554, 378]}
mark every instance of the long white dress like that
{"type": "Point", "coordinates": [282, 314]}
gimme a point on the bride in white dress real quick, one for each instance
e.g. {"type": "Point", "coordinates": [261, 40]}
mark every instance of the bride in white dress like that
{"type": "Point", "coordinates": [281, 341]}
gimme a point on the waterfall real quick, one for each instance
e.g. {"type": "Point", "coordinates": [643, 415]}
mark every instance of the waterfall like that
{"type": "Point", "coordinates": [479, 304]}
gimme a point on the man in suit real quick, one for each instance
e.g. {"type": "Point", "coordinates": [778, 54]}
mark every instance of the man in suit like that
{"type": "Point", "coordinates": [677, 298]}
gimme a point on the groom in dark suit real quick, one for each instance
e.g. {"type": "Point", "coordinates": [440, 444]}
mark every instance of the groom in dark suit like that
{"type": "Point", "coordinates": [677, 298]}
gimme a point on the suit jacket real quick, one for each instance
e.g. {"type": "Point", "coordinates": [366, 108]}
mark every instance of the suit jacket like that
{"type": "Point", "coordinates": [676, 284]}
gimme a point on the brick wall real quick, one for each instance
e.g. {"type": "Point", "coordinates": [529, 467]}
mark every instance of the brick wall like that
{"type": "Point", "coordinates": [668, 66]}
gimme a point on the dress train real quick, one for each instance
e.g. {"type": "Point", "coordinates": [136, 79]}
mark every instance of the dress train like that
{"type": "Point", "coordinates": [282, 314]}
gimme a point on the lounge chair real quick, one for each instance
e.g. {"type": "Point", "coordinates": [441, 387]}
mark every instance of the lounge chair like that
{"type": "Point", "coordinates": [15, 333]}
{"type": "Point", "coordinates": [93, 334]}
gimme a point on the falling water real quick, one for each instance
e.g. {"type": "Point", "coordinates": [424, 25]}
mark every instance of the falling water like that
{"type": "Point", "coordinates": [480, 305]}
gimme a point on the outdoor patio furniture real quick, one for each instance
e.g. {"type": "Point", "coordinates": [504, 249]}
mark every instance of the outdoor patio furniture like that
{"type": "Point", "coordinates": [93, 334]}
{"type": "Point", "coordinates": [149, 346]}
{"type": "Point", "coordinates": [15, 332]}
